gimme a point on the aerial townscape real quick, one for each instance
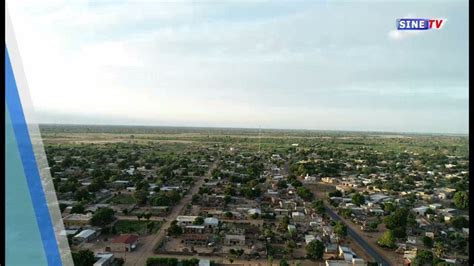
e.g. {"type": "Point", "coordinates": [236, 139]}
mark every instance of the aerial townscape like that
{"type": "Point", "coordinates": [132, 195]}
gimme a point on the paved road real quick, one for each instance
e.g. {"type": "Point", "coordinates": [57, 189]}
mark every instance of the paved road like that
{"type": "Point", "coordinates": [366, 246]}
{"type": "Point", "coordinates": [147, 249]}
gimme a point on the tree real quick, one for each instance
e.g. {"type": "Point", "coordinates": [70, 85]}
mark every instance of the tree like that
{"type": "Point", "coordinates": [389, 207]}
{"type": "Point", "coordinates": [78, 208]}
{"type": "Point", "coordinates": [198, 221]}
{"type": "Point", "coordinates": [438, 249]}
{"type": "Point", "coordinates": [427, 241]}
{"type": "Point", "coordinates": [387, 240]}
{"type": "Point", "coordinates": [119, 261]}
{"type": "Point", "coordinates": [175, 229]}
{"type": "Point", "coordinates": [461, 199]}
{"type": "Point", "coordinates": [139, 215]}
{"type": "Point", "coordinates": [397, 219]}
{"type": "Point", "coordinates": [305, 193]}
{"type": "Point", "coordinates": [82, 195]}
{"type": "Point", "coordinates": [141, 196]}
{"type": "Point", "coordinates": [83, 257]}
{"type": "Point", "coordinates": [318, 206]}
{"type": "Point", "coordinates": [103, 217]}
{"type": "Point", "coordinates": [155, 261]}
{"type": "Point", "coordinates": [460, 222]}
{"type": "Point", "coordinates": [282, 184]}
{"type": "Point", "coordinates": [335, 193]}
{"type": "Point", "coordinates": [147, 215]}
{"type": "Point", "coordinates": [340, 229]}
{"type": "Point", "coordinates": [423, 257]}
{"type": "Point", "coordinates": [283, 262]}
{"type": "Point", "coordinates": [358, 199]}
{"type": "Point", "coordinates": [290, 245]}
{"type": "Point", "coordinates": [190, 262]}
{"type": "Point", "coordinates": [315, 250]}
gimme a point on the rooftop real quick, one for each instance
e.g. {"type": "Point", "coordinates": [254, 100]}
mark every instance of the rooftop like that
{"type": "Point", "coordinates": [125, 239]}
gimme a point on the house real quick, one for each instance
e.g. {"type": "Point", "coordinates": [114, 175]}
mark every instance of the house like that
{"type": "Point", "coordinates": [355, 261]}
{"type": "Point", "coordinates": [338, 263]}
{"type": "Point", "coordinates": [331, 248]}
{"type": "Point", "coordinates": [196, 239]}
{"type": "Point", "coordinates": [298, 216]}
{"type": "Point", "coordinates": [309, 238]}
{"type": "Point", "coordinates": [310, 179]}
{"type": "Point", "coordinates": [118, 184]}
{"type": "Point", "coordinates": [211, 222]}
{"type": "Point", "coordinates": [435, 206]}
{"type": "Point", "coordinates": [169, 188]}
{"type": "Point", "coordinates": [194, 229]}
{"type": "Point", "coordinates": [291, 228]}
{"type": "Point", "coordinates": [254, 211]}
{"type": "Point", "coordinates": [123, 243]}
{"type": "Point", "coordinates": [329, 180]}
{"type": "Point", "coordinates": [420, 210]}
{"type": "Point", "coordinates": [104, 259]}
{"type": "Point", "coordinates": [77, 220]}
{"type": "Point", "coordinates": [184, 220]}
{"type": "Point", "coordinates": [85, 236]}
{"type": "Point", "coordinates": [411, 240]}
{"type": "Point", "coordinates": [378, 197]}
{"type": "Point", "coordinates": [234, 240]}
{"type": "Point", "coordinates": [346, 253]}
{"type": "Point", "coordinates": [204, 262]}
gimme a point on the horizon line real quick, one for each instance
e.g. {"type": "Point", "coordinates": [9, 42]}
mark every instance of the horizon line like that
{"type": "Point", "coordinates": [260, 128]}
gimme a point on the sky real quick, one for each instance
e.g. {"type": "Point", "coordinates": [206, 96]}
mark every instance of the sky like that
{"type": "Point", "coordinates": [327, 65]}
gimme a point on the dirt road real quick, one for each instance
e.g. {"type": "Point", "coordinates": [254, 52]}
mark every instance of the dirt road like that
{"type": "Point", "coordinates": [147, 248]}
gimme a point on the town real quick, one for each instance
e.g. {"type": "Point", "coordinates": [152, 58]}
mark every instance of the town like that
{"type": "Point", "coordinates": [212, 196]}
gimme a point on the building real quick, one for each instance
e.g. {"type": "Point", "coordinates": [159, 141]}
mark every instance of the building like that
{"type": "Point", "coordinates": [346, 253]}
{"type": "Point", "coordinates": [194, 229]}
{"type": "Point", "coordinates": [104, 259]}
{"type": "Point", "coordinates": [291, 229]}
{"type": "Point", "coordinates": [184, 220]}
{"type": "Point", "coordinates": [298, 216]}
{"type": "Point", "coordinates": [196, 239]}
{"type": "Point", "coordinates": [420, 210]}
{"type": "Point", "coordinates": [211, 222]}
{"type": "Point", "coordinates": [77, 220]}
{"type": "Point", "coordinates": [329, 180]}
{"type": "Point", "coordinates": [204, 262]}
{"type": "Point", "coordinates": [123, 243]}
{"type": "Point", "coordinates": [309, 238]}
{"type": "Point", "coordinates": [234, 240]}
{"type": "Point", "coordinates": [85, 236]}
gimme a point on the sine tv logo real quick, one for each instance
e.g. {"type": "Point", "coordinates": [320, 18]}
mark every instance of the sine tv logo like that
{"type": "Point", "coordinates": [419, 23]}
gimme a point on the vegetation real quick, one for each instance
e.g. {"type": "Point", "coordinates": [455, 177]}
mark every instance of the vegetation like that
{"type": "Point", "coordinates": [103, 217]}
{"type": "Point", "coordinates": [83, 257]}
{"type": "Point", "coordinates": [140, 227]}
{"type": "Point", "coordinates": [315, 250]}
{"type": "Point", "coordinates": [387, 240]}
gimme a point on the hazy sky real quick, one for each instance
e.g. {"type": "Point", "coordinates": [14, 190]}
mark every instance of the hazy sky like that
{"type": "Point", "coordinates": [337, 65]}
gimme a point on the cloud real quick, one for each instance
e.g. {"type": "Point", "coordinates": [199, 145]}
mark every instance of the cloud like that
{"type": "Point", "coordinates": [402, 35]}
{"type": "Point", "coordinates": [237, 63]}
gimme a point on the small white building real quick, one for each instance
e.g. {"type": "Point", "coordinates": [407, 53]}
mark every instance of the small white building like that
{"type": "Point", "coordinates": [104, 259]}
{"type": "Point", "coordinates": [85, 236]}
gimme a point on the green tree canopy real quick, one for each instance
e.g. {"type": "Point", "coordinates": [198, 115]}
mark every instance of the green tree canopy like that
{"type": "Point", "coordinates": [315, 250]}
{"type": "Point", "coordinates": [461, 199]}
{"type": "Point", "coordinates": [83, 257]}
{"type": "Point", "coordinates": [103, 217]}
{"type": "Point", "coordinates": [387, 240]}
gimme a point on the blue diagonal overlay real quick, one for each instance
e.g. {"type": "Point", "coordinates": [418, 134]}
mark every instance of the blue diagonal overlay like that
{"type": "Point", "coordinates": [30, 169]}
